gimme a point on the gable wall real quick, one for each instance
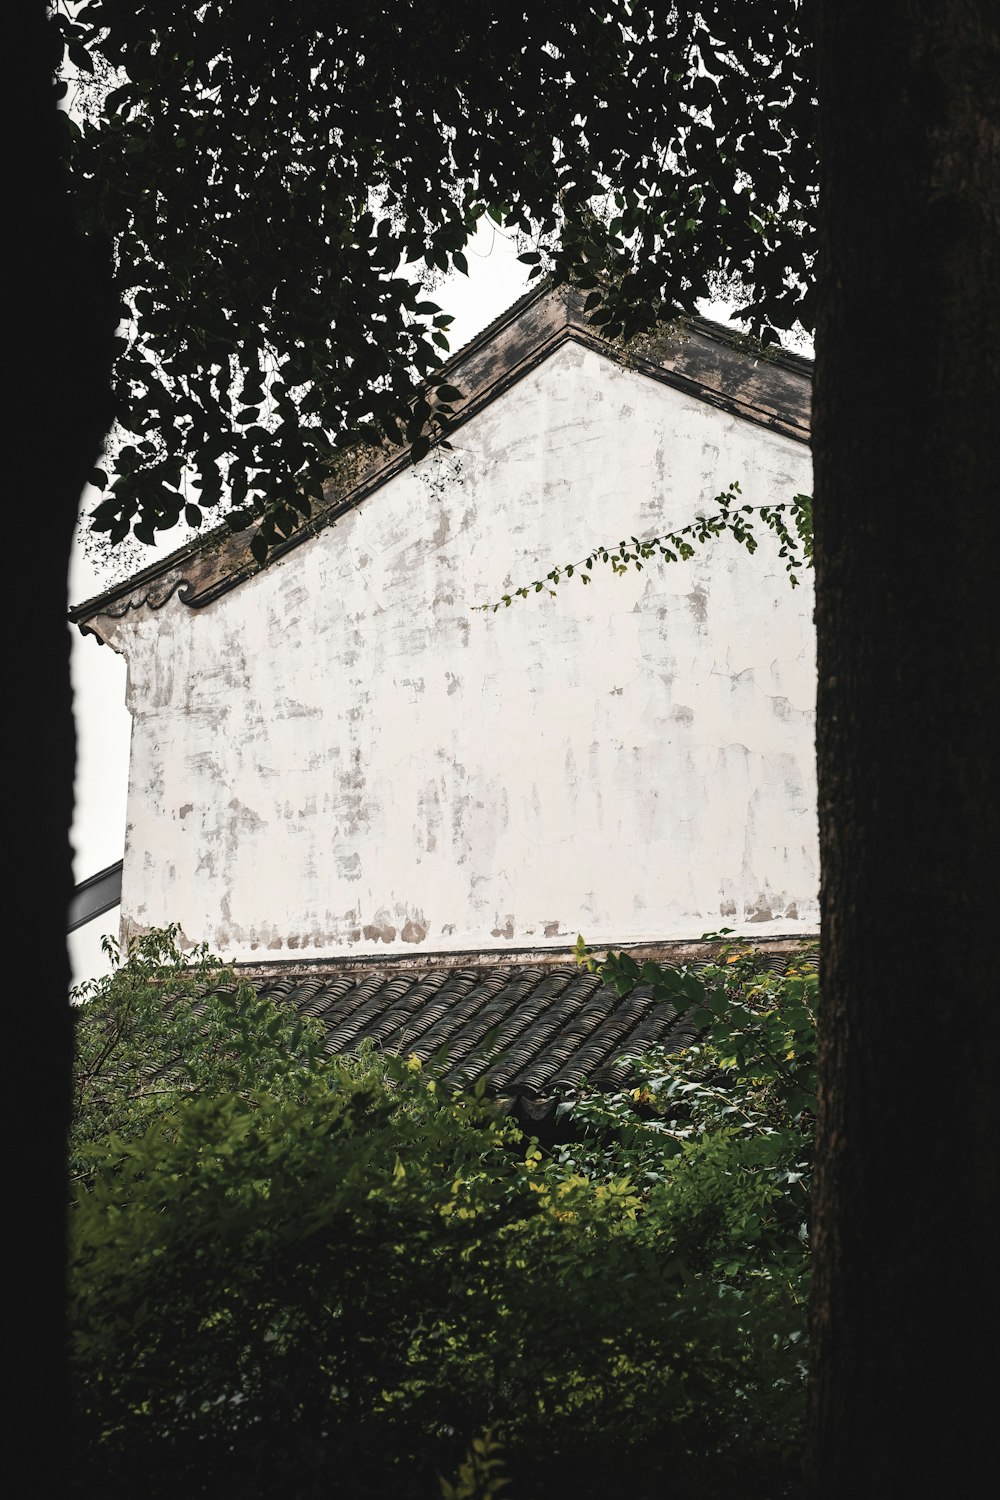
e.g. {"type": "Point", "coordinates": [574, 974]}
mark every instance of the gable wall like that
{"type": "Point", "coordinates": [342, 757]}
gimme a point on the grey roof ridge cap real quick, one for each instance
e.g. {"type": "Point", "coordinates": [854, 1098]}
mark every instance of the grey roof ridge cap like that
{"type": "Point", "coordinates": [775, 354]}
{"type": "Point", "coordinates": [510, 314]}
{"type": "Point", "coordinates": [222, 533]}
{"type": "Point", "coordinates": [722, 333]}
{"type": "Point", "coordinates": [79, 614]}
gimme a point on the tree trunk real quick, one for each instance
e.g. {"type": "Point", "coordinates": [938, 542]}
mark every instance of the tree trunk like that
{"type": "Point", "coordinates": [906, 423]}
{"type": "Point", "coordinates": [60, 321]}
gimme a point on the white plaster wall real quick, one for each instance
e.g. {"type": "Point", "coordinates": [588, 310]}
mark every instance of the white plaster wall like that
{"type": "Point", "coordinates": [342, 756]}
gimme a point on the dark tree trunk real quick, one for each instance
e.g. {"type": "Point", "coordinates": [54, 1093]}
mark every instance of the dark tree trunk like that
{"type": "Point", "coordinates": [59, 323]}
{"type": "Point", "coordinates": [907, 494]}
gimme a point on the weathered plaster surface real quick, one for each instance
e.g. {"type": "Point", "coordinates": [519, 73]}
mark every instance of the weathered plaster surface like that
{"type": "Point", "coordinates": [341, 756]}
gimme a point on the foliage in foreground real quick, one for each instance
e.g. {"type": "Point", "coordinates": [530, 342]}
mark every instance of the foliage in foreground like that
{"type": "Point", "coordinates": [298, 1275]}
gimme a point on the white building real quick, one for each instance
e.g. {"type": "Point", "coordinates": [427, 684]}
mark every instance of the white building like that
{"type": "Point", "coordinates": [340, 758]}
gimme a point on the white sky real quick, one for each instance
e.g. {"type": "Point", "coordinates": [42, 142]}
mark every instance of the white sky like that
{"type": "Point", "coordinates": [496, 280]}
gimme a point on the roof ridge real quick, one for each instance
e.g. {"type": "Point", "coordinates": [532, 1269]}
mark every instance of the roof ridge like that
{"type": "Point", "coordinates": [706, 360]}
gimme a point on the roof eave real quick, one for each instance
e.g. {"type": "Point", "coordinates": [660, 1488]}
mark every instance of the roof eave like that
{"type": "Point", "coordinates": [704, 359]}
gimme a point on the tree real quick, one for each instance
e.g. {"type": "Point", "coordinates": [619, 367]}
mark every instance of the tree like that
{"type": "Point", "coordinates": [60, 321]}
{"type": "Point", "coordinates": [907, 387]}
{"type": "Point", "coordinates": [704, 129]}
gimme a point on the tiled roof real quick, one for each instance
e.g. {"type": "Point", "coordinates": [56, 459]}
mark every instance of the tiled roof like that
{"type": "Point", "coordinates": [534, 1029]}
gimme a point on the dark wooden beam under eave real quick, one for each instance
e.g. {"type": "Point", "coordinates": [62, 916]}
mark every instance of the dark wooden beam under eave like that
{"type": "Point", "coordinates": [94, 896]}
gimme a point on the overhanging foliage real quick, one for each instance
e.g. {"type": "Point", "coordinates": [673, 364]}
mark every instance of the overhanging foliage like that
{"type": "Point", "coordinates": [278, 181]}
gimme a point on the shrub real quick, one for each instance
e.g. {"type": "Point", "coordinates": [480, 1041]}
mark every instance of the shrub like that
{"type": "Point", "coordinates": [299, 1276]}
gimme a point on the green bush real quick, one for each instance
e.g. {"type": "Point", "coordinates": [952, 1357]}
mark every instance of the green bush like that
{"type": "Point", "coordinates": [297, 1276]}
{"type": "Point", "coordinates": [167, 1027]}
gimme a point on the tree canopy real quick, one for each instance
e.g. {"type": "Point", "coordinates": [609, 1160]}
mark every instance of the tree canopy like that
{"type": "Point", "coordinates": [280, 183]}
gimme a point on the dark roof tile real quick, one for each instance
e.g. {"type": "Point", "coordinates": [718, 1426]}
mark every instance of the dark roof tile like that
{"type": "Point", "coordinates": [532, 1028]}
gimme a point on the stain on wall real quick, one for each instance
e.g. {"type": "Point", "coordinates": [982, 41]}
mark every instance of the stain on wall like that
{"type": "Point", "coordinates": [342, 756]}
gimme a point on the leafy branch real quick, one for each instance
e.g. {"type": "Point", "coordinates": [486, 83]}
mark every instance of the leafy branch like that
{"type": "Point", "coordinates": [790, 521]}
{"type": "Point", "coordinates": [480, 1476]}
{"type": "Point", "coordinates": [280, 197]}
{"type": "Point", "coordinates": [762, 1024]}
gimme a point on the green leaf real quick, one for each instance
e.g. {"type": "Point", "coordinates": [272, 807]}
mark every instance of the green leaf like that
{"type": "Point", "coordinates": [691, 986]}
